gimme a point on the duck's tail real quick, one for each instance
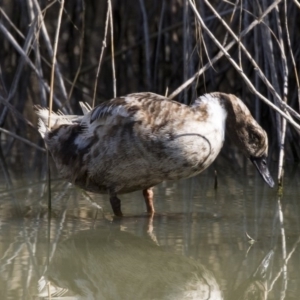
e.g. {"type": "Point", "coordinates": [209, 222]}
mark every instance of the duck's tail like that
{"type": "Point", "coordinates": [57, 119]}
{"type": "Point", "coordinates": [42, 128]}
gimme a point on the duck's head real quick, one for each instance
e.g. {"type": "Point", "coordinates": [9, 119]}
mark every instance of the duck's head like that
{"type": "Point", "coordinates": [247, 134]}
{"type": "Point", "coordinates": [256, 148]}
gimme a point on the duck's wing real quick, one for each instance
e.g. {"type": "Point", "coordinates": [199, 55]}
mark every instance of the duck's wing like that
{"type": "Point", "coordinates": [123, 109]}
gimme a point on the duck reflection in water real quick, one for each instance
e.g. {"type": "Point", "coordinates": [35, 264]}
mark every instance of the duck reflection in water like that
{"type": "Point", "coordinates": [137, 141]}
{"type": "Point", "coordinates": [108, 263]}
{"type": "Point", "coordinates": [113, 264]}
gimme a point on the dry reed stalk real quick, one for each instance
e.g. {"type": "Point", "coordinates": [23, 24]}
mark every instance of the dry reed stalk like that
{"type": "Point", "coordinates": [185, 51]}
{"type": "Point", "coordinates": [81, 46]}
{"type": "Point", "coordinates": [147, 47]}
{"type": "Point", "coordinates": [200, 40]}
{"type": "Point", "coordinates": [16, 114]}
{"type": "Point", "coordinates": [151, 36]}
{"type": "Point", "coordinates": [62, 3]}
{"type": "Point", "coordinates": [112, 48]}
{"type": "Point", "coordinates": [285, 96]}
{"type": "Point", "coordinates": [273, 90]}
{"type": "Point", "coordinates": [281, 154]}
{"type": "Point", "coordinates": [159, 36]}
{"type": "Point", "coordinates": [22, 139]}
{"type": "Point", "coordinates": [235, 6]}
{"type": "Point", "coordinates": [49, 48]}
{"type": "Point", "coordinates": [24, 55]}
{"type": "Point", "coordinates": [293, 142]}
{"type": "Point", "coordinates": [221, 53]}
{"type": "Point", "coordinates": [257, 81]}
{"type": "Point", "coordinates": [297, 3]}
{"type": "Point", "coordinates": [290, 49]}
{"type": "Point", "coordinates": [11, 23]}
{"type": "Point", "coordinates": [101, 56]}
{"type": "Point", "coordinates": [37, 53]}
{"type": "Point", "coordinates": [20, 66]}
{"type": "Point", "coordinates": [242, 74]}
{"type": "Point", "coordinates": [269, 57]}
{"type": "Point", "coordinates": [240, 30]}
{"type": "Point", "coordinates": [50, 106]}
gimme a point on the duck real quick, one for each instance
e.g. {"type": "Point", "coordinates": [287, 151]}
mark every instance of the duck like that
{"type": "Point", "coordinates": [137, 141]}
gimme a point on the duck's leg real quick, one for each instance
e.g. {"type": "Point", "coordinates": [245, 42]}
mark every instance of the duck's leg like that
{"type": "Point", "coordinates": [115, 203]}
{"type": "Point", "coordinates": [148, 196]}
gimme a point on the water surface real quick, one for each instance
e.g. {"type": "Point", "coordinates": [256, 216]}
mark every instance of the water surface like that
{"type": "Point", "coordinates": [202, 243]}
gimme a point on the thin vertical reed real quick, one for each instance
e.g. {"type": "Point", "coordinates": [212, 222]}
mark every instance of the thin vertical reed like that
{"type": "Point", "coordinates": [37, 53]}
{"type": "Point", "coordinates": [24, 55]}
{"type": "Point", "coordinates": [51, 102]}
{"type": "Point", "coordinates": [269, 50]}
{"type": "Point", "coordinates": [147, 46]}
{"type": "Point", "coordinates": [49, 48]}
{"type": "Point", "coordinates": [285, 96]}
{"type": "Point", "coordinates": [158, 45]}
{"type": "Point", "coordinates": [101, 56]}
{"type": "Point", "coordinates": [185, 46]}
{"type": "Point", "coordinates": [112, 48]}
{"type": "Point", "coordinates": [20, 66]}
{"type": "Point", "coordinates": [290, 50]}
{"type": "Point", "coordinates": [81, 52]}
{"type": "Point", "coordinates": [62, 3]}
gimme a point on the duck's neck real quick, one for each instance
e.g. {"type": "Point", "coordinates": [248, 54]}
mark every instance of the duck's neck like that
{"type": "Point", "coordinates": [241, 127]}
{"type": "Point", "coordinates": [210, 105]}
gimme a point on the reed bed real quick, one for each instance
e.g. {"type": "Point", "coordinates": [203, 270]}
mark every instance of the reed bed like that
{"type": "Point", "coordinates": [59, 53]}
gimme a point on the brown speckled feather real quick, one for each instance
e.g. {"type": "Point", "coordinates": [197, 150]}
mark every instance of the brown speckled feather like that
{"type": "Point", "coordinates": [141, 143]}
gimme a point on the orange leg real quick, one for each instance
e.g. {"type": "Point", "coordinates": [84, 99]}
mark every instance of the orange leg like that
{"type": "Point", "coordinates": [115, 203]}
{"type": "Point", "coordinates": [148, 195]}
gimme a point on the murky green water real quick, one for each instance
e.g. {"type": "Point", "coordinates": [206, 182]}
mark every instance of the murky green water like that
{"type": "Point", "coordinates": [194, 247]}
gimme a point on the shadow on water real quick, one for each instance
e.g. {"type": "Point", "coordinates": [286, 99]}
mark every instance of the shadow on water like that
{"type": "Point", "coordinates": [237, 242]}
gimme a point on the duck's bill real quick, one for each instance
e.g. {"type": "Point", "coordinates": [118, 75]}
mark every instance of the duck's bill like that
{"type": "Point", "coordinates": [261, 165]}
